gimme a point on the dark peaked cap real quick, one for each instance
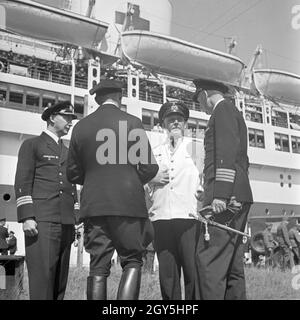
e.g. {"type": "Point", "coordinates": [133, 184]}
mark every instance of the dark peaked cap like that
{"type": "Point", "coordinates": [64, 107]}
{"type": "Point", "coordinates": [107, 86]}
{"type": "Point", "coordinates": [210, 85]}
{"type": "Point", "coordinates": [173, 107]}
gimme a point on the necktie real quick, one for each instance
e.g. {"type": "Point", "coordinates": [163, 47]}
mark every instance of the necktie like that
{"type": "Point", "coordinates": [60, 146]}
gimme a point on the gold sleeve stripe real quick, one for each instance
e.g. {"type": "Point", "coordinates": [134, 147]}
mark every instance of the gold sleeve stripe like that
{"type": "Point", "coordinates": [224, 179]}
{"type": "Point", "coordinates": [24, 200]}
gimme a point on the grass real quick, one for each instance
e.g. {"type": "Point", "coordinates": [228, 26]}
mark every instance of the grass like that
{"type": "Point", "coordinates": [76, 288]}
{"type": "Point", "coordinates": [262, 284]}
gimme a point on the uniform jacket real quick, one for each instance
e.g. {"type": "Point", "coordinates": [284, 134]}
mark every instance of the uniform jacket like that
{"type": "Point", "coordinates": [41, 186]}
{"type": "Point", "coordinates": [294, 237]}
{"type": "Point", "coordinates": [3, 236]}
{"type": "Point", "coordinates": [268, 239]}
{"type": "Point", "coordinates": [176, 200]}
{"type": "Point", "coordinates": [114, 188]}
{"type": "Point", "coordinates": [226, 162]}
{"type": "Point", "coordinates": [283, 235]}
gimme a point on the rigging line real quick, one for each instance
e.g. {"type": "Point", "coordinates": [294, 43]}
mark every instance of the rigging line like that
{"type": "Point", "coordinates": [199, 3]}
{"type": "Point", "coordinates": [183, 25]}
{"type": "Point", "coordinates": [276, 54]}
{"type": "Point", "coordinates": [221, 15]}
{"type": "Point", "coordinates": [234, 18]}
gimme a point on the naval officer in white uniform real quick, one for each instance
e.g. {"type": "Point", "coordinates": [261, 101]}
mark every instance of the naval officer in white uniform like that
{"type": "Point", "coordinates": [172, 194]}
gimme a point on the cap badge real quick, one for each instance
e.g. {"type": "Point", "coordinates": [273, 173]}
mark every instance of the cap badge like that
{"type": "Point", "coordinates": [174, 108]}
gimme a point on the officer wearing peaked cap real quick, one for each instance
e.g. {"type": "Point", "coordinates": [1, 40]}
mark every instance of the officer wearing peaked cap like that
{"type": "Point", "coordinates": [113, 206]}
{"type": "Point", "coordinates": [62, 108]}
{"type": "Point", "coordinates": [172, 194]}
{"type": "Point", "coordinates": [46, 203]}
{"type": "Point", "coordinates": [107, 86]}
{"type": "Point", "coordinates": [177, 107]}
{"type": "Point", "coordinates": [225, 178]}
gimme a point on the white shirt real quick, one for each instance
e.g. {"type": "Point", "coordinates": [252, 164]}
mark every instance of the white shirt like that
{"type": "Point", "coordinates": [177, 198]}
{"type": "Point", "coordinates": [218, 102]}
{"type": "Point", "coordinates": [110, 102]}
{"type": "Point", "coordinates": [52, 135]}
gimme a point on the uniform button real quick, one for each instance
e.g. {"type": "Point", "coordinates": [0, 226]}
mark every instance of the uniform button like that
{"type": "Point", "coordinates": [172, 178]}
{"type": "Point", "coordinates": [73, 193]}
{"type": "Point", "coordinates": [171, 188]}
{"type": "Point", "coordinates": [60, 182]}
{"type": "Point", "coordinates": [60, 192]}
{"type": "Point", "coordinates": [172, 161]}
{"type": "Point", "coordinates": [60, 174]}
{"type": "Point", "coordinates": [172, 169]}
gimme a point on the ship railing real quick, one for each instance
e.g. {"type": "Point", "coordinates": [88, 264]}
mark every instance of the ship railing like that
{"type": "Point", "coordinates": [279, 122]}
{"type": "Point", "coordinates": [150, 96]}
{"type": "Point", "coordinates": [55, 76]}
{"type": "Point", "coordinates": [157, 98]}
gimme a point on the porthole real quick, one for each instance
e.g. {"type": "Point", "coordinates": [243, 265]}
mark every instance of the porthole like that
{"type": "Point", "coordinates": [6, 197]}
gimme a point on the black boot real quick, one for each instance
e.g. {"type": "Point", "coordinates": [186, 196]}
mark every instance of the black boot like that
{"type": "Point", "coordinates": [96, 288]}
{"type": "Point", "coordinates": [129, 287]}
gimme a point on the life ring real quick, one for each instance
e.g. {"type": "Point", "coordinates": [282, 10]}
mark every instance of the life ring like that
{"type": "Point", "coordinates": [2, 66]}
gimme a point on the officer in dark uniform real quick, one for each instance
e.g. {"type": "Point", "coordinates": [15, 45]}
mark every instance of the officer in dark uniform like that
{"type": "Point", "coordinates": [284, 243]}
{"type": "Point", "coordinates": [294, 237]}
{"type": "Point", "coordinates": [45, 204]}
{"type": "Point", "coordinates": [113, 208]}
{"type": "Point", "coordinates": [220, 261]}
{"type": "Point", "coordinates": [3, 236]}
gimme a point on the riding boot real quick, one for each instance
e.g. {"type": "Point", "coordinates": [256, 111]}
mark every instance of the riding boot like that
{"type": "Point", "coordinates": [129, 287]}
{"type": "Point", "coordinates": [96, 288]}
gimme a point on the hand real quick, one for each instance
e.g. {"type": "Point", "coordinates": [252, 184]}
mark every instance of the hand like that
{"type": "Point", "coordinates": [199, 193]}
{"type": "Point", "coordinates": [161, 178]}
{"type": "Point", "coordinates": [218, 205]}
{"type": "Point", "coordinates": [30, 227]}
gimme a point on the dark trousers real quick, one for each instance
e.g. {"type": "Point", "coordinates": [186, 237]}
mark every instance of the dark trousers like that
{"type": "Point", "coordinates": [128, 235]}
{"type": "Point", "coordinates": [285, 257]}
{"type": "Point", "coordinates": [4, 252]}
{"type": "Point", "coordinates": [220, 260]}
{"type": "Point", "coordinates": [295, 251]}
{"type": "Point", "coordinates": [175, 243]}
{"type": "Point", "coordinates": [47, 259]}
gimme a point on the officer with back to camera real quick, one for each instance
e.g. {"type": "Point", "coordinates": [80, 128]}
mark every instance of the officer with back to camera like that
{"type": "Point", "coordinates": [113, 206]}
